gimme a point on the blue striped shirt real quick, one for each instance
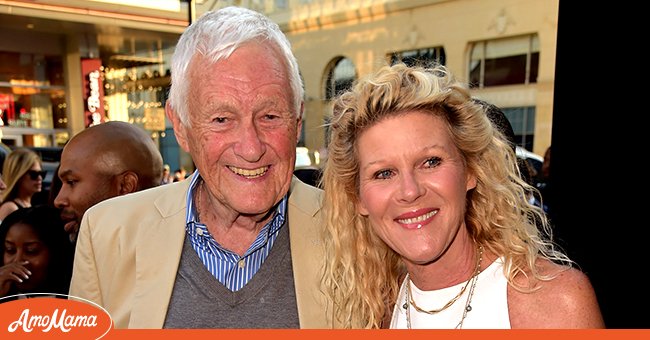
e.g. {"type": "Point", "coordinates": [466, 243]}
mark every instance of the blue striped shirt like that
{"type": "Point", "coordinates": [232, 270]}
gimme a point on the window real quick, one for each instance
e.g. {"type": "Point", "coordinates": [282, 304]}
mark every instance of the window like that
{"type": "Point", "coordinates": [32, 92]}
{"type": "Point", "coordinates": [522, 120]}
{"type": "Point", "coordinates": [423, 56]}
{"type": "Point", "coordinates": [339, 78]}
{"type": "Point", "coordinates": [504, 61]}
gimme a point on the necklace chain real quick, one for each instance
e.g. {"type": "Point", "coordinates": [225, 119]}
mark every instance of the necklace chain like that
{"type": "Point", "coordinates": [471, 282]}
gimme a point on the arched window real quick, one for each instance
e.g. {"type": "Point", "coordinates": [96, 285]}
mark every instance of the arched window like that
{"type": "Point", "coordinates": [340, 77]}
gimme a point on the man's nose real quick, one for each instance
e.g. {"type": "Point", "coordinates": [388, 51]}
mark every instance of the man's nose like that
{"type": "Point", "coordinates": [250, 146]}
{"type": "Point", "coordinates": [61, 199]}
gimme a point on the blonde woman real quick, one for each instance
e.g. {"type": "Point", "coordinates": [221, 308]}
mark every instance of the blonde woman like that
{"type": "Point", "coordinates": [427, 220]}
{"type": "Point", "coordinates": [23, 176]}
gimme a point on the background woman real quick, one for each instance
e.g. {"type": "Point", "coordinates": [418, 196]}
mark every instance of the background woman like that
{"type": "Point", "coordinates": [428, 225]}
{"type": "Point", "coordinates": [37, 256]}
{"type": "Point", "coordinates": [23, 176]}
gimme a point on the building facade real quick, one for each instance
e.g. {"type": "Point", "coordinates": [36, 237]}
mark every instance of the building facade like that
{"type": "Point", "coordinates": [68, 64]}
{"type": "Point", "coordinates": [504, 48]}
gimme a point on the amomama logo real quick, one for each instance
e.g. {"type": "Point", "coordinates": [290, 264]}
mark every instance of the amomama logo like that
{"type": "Point", "coordinates": [38, 316]}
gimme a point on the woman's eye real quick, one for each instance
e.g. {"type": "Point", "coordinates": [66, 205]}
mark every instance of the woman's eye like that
{"type": "Point", "coordinates": [432, 162]}
{"type": "Point", "coordinates": [383, 174]}
{"type": "Point", "coordinates": [33, 251]}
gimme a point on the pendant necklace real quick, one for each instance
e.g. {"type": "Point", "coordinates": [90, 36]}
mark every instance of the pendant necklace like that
{"type": "Point", "coordinates": [471, 283]}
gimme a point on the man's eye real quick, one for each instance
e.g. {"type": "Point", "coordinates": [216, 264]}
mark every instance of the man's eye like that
{"type": "Point", "coordinates": [220, 120]}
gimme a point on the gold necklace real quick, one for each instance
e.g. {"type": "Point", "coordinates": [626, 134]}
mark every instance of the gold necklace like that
{"type": "Point", "coordinates": [468, 307]}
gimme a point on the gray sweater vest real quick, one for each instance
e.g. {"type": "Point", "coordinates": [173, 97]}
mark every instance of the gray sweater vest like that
{"type": "Point", "coordinates": [268, 300]}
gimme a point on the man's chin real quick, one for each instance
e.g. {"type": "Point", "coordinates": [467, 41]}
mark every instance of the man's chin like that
{"type": "Point", "coordinates": [72, 227]}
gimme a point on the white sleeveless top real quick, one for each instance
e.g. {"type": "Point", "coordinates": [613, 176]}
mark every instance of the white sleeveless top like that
{"type": "Point", "coordinates": [489, 304]}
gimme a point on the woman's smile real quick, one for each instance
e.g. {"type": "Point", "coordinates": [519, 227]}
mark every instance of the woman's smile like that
{"type": "Point", "coordinates": [416, 219]}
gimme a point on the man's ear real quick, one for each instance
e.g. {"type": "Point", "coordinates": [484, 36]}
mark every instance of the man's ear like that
{"type": "Point", "coordinates": [127, 183]}
{"type": "Point", "coordinates": [299, 122]}
{"type": "Point", "coordinates": [180, 131]}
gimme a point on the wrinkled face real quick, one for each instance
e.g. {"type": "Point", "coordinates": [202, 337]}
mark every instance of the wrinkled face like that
{"type": "Point", "coordinates": [32, 182]}
{"type": "Point", "coordinates": [413, 185]}
{"type": "Point", "coordinates": [83, 185]}
{"type": "Point", "coordinates": [243, 131]}
{"type": "Point", "coordinates": [23, 244]}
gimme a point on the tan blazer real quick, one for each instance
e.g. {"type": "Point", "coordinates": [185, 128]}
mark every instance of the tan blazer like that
{"type": "Point", "coordinates": [129, 248]}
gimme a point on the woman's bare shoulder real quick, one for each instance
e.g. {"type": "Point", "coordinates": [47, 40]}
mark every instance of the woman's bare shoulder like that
{"type": "Point", "coordinates": [566, 301]}
{"type": "Point", "coordinates": [7, 208]}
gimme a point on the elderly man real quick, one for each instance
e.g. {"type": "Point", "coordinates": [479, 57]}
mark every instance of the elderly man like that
{"type": "Point", "coordinates": [104, 161]}
{"type": "Point", "coordinates": [236, 245]}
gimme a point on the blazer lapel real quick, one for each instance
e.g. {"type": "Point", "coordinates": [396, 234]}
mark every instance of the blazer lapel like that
{"type": "Point", "coordinates": [307, 255]}
{"type": "Point", "coordinates": [157, 256]}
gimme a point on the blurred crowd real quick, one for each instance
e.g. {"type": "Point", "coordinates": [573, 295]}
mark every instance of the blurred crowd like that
{"type": "Point", "coordinates": [38, 238]}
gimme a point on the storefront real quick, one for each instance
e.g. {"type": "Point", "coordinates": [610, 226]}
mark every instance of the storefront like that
{"type": "Point", "coordinates": [67, 65]}
{"type": "Point", "coordinates": [32, 93]}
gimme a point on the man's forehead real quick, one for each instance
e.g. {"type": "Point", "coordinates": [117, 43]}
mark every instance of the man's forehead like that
{"type": "Point", "coordinates": [88, 160]}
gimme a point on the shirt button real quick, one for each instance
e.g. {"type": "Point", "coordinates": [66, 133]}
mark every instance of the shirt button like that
{"type": "Point", "coordinates": [199, 231]}
{"type": "Point", "coordinates": [241, 264]}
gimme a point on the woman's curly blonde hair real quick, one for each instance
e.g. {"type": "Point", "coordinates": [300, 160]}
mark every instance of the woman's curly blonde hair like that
{"type": "Point", "coordinates": [362, 273]}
